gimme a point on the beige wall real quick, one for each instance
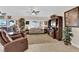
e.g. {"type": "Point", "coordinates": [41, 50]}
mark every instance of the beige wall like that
{"type": "Point", "coordinates": [30, 18]}
{"type": "Point", "coordinates": [75, 39]}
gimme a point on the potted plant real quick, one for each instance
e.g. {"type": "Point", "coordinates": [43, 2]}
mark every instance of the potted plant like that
{"type": "Point", "coordinates": [67, 35]}
{"type": "Point", "coordinates": [22, 24]}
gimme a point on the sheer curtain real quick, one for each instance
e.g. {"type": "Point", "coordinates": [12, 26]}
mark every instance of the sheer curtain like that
{"type": "Point", "coordinates": [34, 24]}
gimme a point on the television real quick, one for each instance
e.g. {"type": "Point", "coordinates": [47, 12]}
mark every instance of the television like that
{"type": "Point", "coordinates": [53, 23]}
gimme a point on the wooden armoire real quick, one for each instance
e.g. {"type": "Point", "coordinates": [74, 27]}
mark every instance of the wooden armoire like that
{"type": "Point", "coordinates": [59, 27]}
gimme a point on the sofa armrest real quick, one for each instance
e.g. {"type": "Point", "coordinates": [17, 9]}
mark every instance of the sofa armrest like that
{"type": "Point", "coordinates": [16, 36]}
{"type": "Point", "coordinates": [18, 45]}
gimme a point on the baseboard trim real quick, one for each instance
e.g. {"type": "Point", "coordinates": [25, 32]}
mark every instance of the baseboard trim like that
{"type": "Point", "coordinates": [75, 45]}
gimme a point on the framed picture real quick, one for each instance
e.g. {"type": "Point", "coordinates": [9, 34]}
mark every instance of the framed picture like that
{"type": "Point", "coordinates": [72, 17]}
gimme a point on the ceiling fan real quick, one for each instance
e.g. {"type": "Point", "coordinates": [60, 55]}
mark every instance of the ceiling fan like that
{"type": "Point", "coordinates": [33, 11]}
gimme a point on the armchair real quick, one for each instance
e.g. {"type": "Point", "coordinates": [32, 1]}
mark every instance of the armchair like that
{"type": "Point", "coordinates": [10, 45]}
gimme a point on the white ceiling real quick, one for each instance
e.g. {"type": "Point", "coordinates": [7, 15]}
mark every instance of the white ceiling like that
{"type": "Point", "coordinates": [25, 10]}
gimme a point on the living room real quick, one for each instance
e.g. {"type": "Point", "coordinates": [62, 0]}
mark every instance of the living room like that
{"type": "Point", "coordinates": [34, 34]}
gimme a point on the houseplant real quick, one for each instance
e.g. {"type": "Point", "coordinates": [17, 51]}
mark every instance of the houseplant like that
{"type": "Point", "coordinates": [67, 35]}
{"type": "Point", "coordinates": [22, 24]}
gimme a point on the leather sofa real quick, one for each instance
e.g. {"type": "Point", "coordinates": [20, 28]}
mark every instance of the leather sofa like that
{"type": "Point", "coordinates": [19, 43]}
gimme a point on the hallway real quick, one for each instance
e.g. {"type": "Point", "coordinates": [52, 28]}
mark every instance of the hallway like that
{"type": "Point", "coordinates": [44, 43]}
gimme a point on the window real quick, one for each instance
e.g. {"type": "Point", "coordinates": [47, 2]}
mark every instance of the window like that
{"type": "Point", "coordinates": [34, 24]}
{"type": "Point", "coordinates": [3, 22]}
{"type": "Point", "coordinates": [27, 22]}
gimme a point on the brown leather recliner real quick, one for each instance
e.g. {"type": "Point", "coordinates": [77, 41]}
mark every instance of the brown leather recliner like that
{"type": "Point", "coordinates": [13, 45]}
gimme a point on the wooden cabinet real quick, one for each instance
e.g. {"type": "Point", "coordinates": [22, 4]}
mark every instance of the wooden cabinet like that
{"type": "Point", "coordinates": [59, 26]}
{"type": "Point", "coordinates": [57, 30]}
